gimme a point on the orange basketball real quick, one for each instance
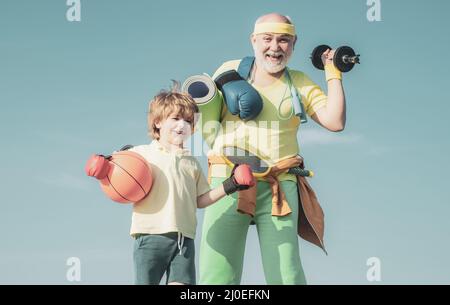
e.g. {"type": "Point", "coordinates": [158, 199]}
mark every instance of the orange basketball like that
{"type": "Point", "coordinates": [129, 178]}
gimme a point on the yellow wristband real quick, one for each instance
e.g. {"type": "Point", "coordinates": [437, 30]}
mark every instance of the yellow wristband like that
{"type": "Point", "coordinates": [331, 72]}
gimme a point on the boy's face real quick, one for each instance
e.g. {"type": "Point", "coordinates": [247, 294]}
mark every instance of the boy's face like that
{"type": "Point", "coordinates": [174, 130]}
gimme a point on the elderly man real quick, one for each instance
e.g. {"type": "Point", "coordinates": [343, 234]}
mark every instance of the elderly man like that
{"type": "Point", "coordinates": [280, 213]}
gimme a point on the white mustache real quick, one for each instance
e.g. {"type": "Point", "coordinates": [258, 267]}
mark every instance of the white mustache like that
{"type": "Point", "coordinates": [271, 53]}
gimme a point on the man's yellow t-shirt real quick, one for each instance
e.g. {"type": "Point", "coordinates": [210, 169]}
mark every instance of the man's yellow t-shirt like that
{"type": "Point", "coordinates": [272, 135]}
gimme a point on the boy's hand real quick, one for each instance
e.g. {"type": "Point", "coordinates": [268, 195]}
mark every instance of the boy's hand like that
{"type": "Point", "coordinates": [241, 178]}
{"type": "Point", "coordinates": [327, 57]}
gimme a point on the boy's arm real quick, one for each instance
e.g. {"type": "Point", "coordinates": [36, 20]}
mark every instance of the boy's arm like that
{"type": "Point", "coordinates": [210, 197]}
{"type": "Point", "coordinates": [241, 178]}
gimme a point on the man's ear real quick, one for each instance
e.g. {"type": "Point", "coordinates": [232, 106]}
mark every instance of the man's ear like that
{"type": "Point", "coordinates": [252, 39]}
{"type": "Point", "coordinates": [295, 41]}
{"type": "Point", "coordinates": [158, 125]}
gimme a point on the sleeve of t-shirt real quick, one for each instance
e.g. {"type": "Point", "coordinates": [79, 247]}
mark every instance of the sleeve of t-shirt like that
{"type": "Point", "coordinates": [229, 65]}
{"type": "Point", "coordinates": [312, 95]}
{"type": "Point", "coordinates": [139, 149]}
{"type": "Point", "coordinates": [133, 149]}
{"type": "Point", "coordinates": [202, 183]}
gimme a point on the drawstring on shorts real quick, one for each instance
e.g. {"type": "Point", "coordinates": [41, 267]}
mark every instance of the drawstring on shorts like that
{"type": "Point", "coordinates": [180, 241]}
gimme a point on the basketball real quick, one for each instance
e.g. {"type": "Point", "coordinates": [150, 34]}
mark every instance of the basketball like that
{"type": "Point", "coordinates": [125, 177]}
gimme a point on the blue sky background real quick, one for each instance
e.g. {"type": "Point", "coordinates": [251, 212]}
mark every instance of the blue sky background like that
{"type": "Point", "coordinates": [68, 90]}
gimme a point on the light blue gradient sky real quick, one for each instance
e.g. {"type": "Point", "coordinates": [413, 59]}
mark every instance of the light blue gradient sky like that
{"type": "Point", "coordinates": [68, 90]}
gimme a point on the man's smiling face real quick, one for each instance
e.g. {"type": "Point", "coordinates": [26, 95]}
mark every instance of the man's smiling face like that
{"type": "Point", "coordinates": [272, 51]}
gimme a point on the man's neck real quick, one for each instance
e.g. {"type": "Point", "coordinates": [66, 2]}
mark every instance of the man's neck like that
{"type": "Point", "coordinates": [263, 78]}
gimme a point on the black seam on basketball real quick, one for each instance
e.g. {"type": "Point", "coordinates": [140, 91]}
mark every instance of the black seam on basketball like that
{"type": "Point", "coordinates": [130, 175]}
{"type": "Point", "coordinates": [110, 183]}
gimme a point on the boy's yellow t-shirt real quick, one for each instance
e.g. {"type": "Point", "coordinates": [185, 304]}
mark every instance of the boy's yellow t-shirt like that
{"type": "Point", "coordinates": [272, 135]}
{"type": "Point", "coordinates": [171, 205]}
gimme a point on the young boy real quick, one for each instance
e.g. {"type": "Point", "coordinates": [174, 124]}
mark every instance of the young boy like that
{"type": "Point", "coordinates": [164, 222]}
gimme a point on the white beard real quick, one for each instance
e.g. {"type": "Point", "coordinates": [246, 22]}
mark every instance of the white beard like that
{"type": "Point", "coordinates": [268, 66]}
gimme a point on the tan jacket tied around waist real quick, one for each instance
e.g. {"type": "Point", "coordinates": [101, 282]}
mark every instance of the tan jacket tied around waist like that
{"type": "Point", "coordinates": [310, 217]}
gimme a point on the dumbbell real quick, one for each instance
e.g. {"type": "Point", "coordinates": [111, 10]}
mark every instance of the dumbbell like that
{"type": "Point", "coordinates": [344, 57]}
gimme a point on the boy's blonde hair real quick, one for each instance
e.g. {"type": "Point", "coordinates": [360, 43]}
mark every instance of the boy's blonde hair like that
{"type": "Point", "coordinates": [170, 102]}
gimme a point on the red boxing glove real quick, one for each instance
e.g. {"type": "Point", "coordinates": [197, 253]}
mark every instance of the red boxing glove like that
{"type": "Point", "coordinates": [243, 175]}
{"type": "Point", "coordinates": [97, 166]}
{"type": "Point", "coordinates": [241, 178]}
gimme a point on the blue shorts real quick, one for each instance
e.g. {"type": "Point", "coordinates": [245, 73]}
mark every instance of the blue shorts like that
{"type": "Point", "coordinates": [156, 254]}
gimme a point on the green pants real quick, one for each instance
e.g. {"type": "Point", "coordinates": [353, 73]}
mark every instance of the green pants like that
{"type": "Point", "coordinates": [224, 235]}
